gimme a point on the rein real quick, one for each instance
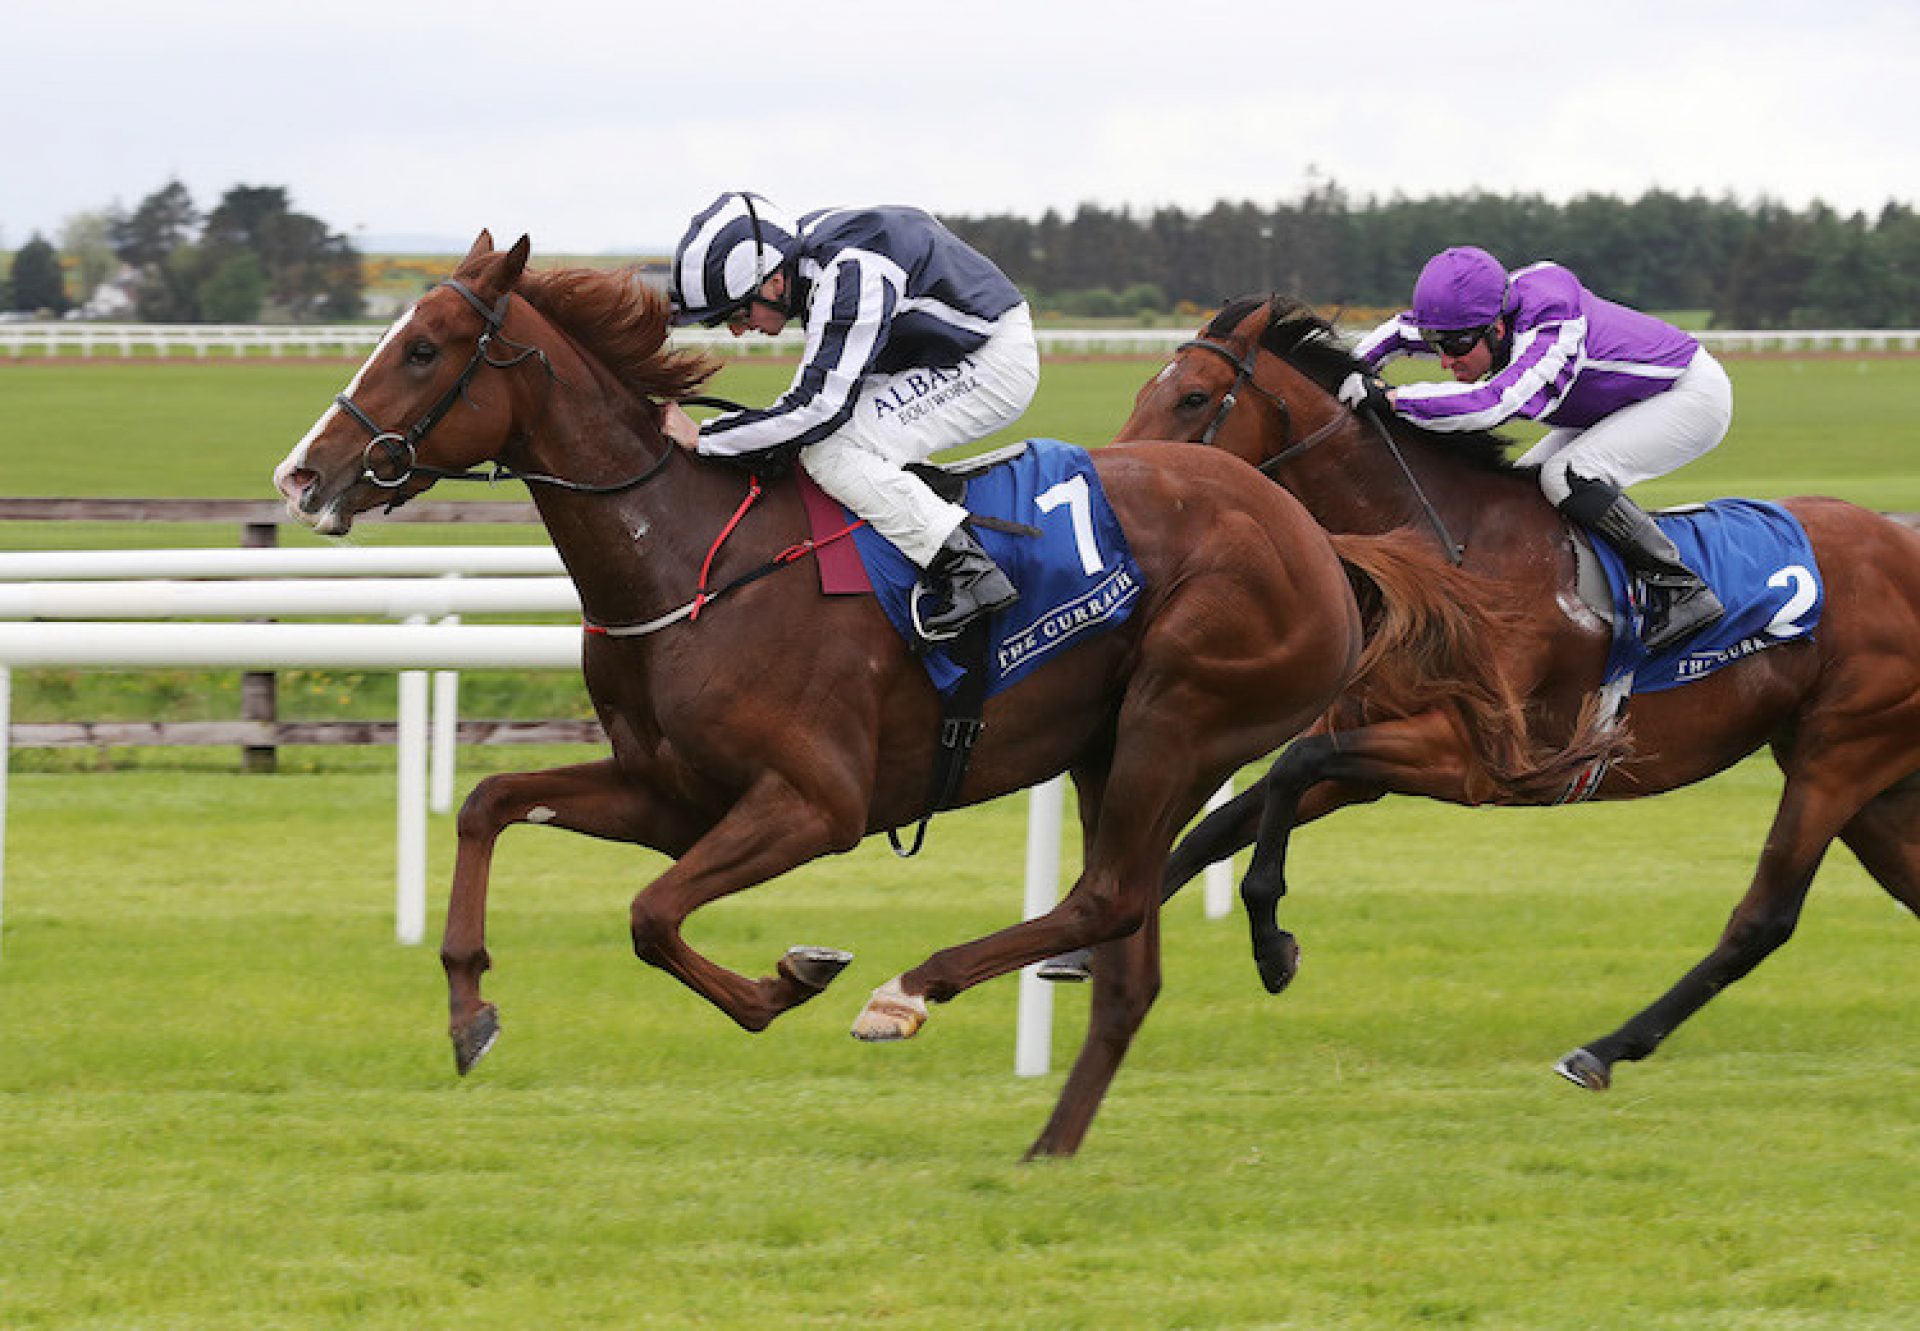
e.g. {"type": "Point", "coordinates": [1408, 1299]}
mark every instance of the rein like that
{"type": "Point", "coordinates": [702, 597]}
{"type": "Point", "coordinates": [1244, 369]}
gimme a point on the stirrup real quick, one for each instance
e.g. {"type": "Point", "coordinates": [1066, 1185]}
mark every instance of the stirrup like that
{"type": "Point", "coordinates": [1683, 615]}
{"type": "Point", "coordinates": [951, 619]}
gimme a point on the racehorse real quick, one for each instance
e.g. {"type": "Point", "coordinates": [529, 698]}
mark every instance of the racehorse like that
{"type": "Point", "coordinates": [754, 731]}
{"type": "Point", "coordinates": [1840, 707]}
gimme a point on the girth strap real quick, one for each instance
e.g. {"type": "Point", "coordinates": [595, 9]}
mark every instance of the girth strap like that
{"type": "Point", "coordinates": [960, 727]}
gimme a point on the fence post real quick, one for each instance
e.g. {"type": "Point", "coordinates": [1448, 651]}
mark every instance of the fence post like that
{"type": "Point", "coordinates": [1033, 1024]}
{"type": "Point", "coordinates": [6, 759]}
{"type": "Point", "coordinates": [259, 690]}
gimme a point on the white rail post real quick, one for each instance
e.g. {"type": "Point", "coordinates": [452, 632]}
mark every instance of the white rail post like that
{"type": "Point", "coordinates": [410, 886]}
{"type": "Point", "coordinates": [1220, 876]}
{"type": "Point", "coordinates": [6, 759]}
{"type": "Point", "coordinates": [1033, 1040]}
{"type": "Point", "coordinates": [446, 735]}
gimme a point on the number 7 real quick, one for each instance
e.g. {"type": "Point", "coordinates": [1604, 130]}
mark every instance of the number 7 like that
{"type": "Point", "coordinates": [1073, 492]}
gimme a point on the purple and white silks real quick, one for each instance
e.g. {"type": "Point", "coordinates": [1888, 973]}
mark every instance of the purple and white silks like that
{"type": "Point", "coordinates": [1576, 359]}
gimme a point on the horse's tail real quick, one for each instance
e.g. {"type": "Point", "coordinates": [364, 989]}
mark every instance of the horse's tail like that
{"type": "Point", "coordinates": [1434, 641]}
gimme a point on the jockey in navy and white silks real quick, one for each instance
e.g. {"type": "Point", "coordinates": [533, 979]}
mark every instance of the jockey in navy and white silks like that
{"type": "Point", "coordinates": [915, 342]}
{"type": "Point", "coordinates": [1627, 397]}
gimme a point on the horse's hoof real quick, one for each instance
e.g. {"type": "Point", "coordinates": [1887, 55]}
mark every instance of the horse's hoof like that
{"type": "Point", "coordinates": [473, 1037]}
{"type": "Point", "coordinates": [890, 1014]}
{"type": "Point", "coordinates": [1075, 967]}
{"type": "Point", "coordinates": [1279, 962]}
{"type": "Point", "coordinates": [1583, 1069]}
{"type": "Point", "coordinates": [814, 967]}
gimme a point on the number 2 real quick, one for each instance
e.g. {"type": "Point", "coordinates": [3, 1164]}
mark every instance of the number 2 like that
{"type": "Point", "coordinates": [1783, 624]}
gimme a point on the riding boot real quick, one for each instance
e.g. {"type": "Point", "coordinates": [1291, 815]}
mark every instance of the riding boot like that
{"type": "Point", "coordinates": [968, 583]}
{"type": "Point", "coordinates": [1679, 602]}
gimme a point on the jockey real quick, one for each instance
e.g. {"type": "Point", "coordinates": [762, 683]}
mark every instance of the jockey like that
{"type": "Point", "coordinates": [915, 342]}
{"type": "Point", "coordinates": [1628, 398]}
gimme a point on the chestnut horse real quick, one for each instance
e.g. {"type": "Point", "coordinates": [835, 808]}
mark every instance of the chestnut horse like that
{"type": "Point", "coordinates": [1839, 708]}
{"type": "Point", "coordinates": [779, 724]}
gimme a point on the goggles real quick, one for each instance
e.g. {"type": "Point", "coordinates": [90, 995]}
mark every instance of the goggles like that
{"type": "Point", "coordinates": [1454, 342]}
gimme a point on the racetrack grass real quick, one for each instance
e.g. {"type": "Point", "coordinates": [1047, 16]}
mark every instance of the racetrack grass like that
{"type": "Point", "coordinates": [1845, 426]}
{"type": "Point", "coordinates": [226, 1099]}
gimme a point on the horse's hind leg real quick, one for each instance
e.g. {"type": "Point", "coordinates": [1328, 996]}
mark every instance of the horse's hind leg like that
{"type": "Point", "coordinates": [591, 798]}
{"type": "Point", "coordinates": [1220, 835]}
{"type": "Point", "coordinates": [1885, 836]}
{"type": "Point", "coordinates": [1811, 813]}
{"type": "Point", "coordinates": [1126, 980]}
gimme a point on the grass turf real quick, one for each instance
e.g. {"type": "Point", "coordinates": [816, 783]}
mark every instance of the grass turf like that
{"type": "Point", "coordinates": [228, 1102]}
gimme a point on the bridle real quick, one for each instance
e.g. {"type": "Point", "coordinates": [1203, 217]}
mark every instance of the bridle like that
{"type": "Point", "coordinates": [400, 452]}
{"type": "Point", "coordinates": [1290, 449]}
{"type": "Point", "coordinates": [1243, 379]}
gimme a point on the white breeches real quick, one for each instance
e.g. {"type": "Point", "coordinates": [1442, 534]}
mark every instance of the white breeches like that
{"type": "Point", "coordinates": [908, 417]}
{"type": "Point", "coordinates": [1650, 438]}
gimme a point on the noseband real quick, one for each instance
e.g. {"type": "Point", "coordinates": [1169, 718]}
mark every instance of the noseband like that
{"type": "Point", "coordinates": [400, 451]}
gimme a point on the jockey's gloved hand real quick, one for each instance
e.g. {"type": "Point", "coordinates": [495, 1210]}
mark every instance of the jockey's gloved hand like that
{"type": "Point", "coordinates": [1360, 389]}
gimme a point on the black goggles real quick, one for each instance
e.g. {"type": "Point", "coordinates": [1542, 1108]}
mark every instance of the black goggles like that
{"type": "Point", "coordinates": [1454, 341]}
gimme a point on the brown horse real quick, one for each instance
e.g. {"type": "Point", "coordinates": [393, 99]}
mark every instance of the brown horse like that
{"type": "Point", "coordinates": [1840, 709]}
{"type": "Point", "coordinates": [780, 725]}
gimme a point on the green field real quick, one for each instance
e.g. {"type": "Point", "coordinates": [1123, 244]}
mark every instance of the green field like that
{"type": "Point", "coordinates": [226, 1098]}
{"type": "Point", "coordinates": [1841, 426]}
{"type": "Point", "coordinates": [227, 1101]}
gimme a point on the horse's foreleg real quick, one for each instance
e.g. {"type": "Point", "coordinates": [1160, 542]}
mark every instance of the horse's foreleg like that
{"type": "Point", "coordinates": [768, 831]}
{"type": "Point", "coordinates": [591, 798]}
{"type": "Point", "coordinates": [1220, 835]}
{"type": "Point", "coordinates": [1804, 825]}
{"type": "Point", "coordinates": [1320, 773]}
{"type": "Point", "coordinates": [1126, 982]}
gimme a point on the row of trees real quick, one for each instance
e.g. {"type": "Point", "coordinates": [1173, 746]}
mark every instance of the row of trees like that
{"type": "Point", "coordinates": [1753, 266]}
{"type": "Point", "coordinates": [251, 258]}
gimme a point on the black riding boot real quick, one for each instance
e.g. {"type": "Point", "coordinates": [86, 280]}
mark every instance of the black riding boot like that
{"type": "Point", "coordinates": [1679, 602]}
{"type": "Point", "coordinates": [968, 584]}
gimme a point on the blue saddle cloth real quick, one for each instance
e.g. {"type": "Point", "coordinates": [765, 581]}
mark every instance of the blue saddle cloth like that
{"type": "Point", "coordinates": [1759, 562]}
{"type": "Point", "coordinates": [1077, 579]}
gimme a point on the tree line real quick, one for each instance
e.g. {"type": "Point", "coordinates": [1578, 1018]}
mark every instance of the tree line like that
{"type": "Point", "coordinates": [1760, 265]}
{"type": "Point", "coordinates": [251, 258]}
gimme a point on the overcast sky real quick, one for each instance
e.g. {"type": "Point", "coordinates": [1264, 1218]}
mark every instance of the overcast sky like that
{"type": "Point", "coordinates": [600, 127]}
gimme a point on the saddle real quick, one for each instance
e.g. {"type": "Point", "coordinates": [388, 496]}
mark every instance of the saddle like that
{"type": "Point", "coordinates": [1757, 559]}
{"type": "Point", "coordinates": [1039, 510]}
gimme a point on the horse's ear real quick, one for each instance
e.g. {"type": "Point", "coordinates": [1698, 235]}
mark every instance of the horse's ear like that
{"type": "Point", "coordinates": [482, 246]}
{"type": "Point", "coordinates": [516, 262]}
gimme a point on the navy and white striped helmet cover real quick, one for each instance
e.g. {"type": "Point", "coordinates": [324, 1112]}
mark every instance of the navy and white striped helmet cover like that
{"type": "Point", "coordinates": [731, 247]}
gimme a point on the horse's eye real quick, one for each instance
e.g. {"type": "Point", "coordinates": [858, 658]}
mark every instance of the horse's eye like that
{"type": "Point", "coordinates": [421, 352]}
{"type": "Point", "coordinates": [1193, 401]}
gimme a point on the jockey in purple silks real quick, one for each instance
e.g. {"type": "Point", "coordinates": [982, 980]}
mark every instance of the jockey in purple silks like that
{"type": "Point", "coordinates": [1627, 396]}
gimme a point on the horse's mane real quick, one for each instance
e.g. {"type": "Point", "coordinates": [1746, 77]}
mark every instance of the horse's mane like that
{"type": "Point", "coordinates": [623, 322]}
{"type": "Point", "coordinates": [1313, 346]}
